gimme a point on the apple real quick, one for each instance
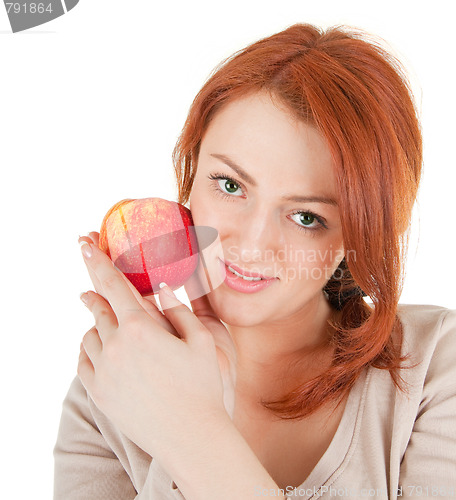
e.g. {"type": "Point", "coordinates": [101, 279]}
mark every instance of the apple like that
{"type": "Point", "coordinates": [150, 240]}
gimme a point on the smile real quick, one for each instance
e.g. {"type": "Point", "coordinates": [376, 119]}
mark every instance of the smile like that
{"type": "Point", "coordinates": [245, 281]}
{"type": "Point", "coordinates": [242, 276]}
{"type": "Point", "coordinates": [246, 275]}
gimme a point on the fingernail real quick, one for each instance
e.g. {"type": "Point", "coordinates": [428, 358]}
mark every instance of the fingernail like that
{"type": "Point", "coordinates": [86, 236]}
{"type": "Point", "coordinates": [84, 297]}
{"type": "Point", "coordinates": [167, 290]}
{"type": "Point", "coordinates": [85, 249]}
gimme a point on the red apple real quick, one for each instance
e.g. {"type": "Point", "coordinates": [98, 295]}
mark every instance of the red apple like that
{"type": "Point", "coordinates": [150, 240]}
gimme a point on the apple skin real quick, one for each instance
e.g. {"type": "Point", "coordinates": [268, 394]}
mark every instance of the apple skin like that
{"type": "Point", "coordinates": [151, 240]}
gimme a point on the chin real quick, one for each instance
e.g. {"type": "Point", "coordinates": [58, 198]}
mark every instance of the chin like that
{"type": "Point", "coordinates": [235, 320]}
{"type": "Point", "coordinates": [235, 314]}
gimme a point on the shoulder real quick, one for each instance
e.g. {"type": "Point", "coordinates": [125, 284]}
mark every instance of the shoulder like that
{"type": "Point", "coordinates": [424, 314]}
{"type": "Point", "coordinates": [425, 325]}
{"type": "Point", "coordinates": [429, 338]}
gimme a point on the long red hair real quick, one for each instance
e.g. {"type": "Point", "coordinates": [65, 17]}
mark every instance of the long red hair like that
{"type": "Point", "coordinates": [356, 94]}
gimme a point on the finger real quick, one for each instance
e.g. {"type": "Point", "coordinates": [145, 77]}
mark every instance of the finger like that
{"type": "Point", "coordinates": [92, 238]}
{"type": "Point", "coordinates": [93, 276]}
{"type": "Point", "coordinates": [116, 291]}
{"type": "Point", "coordinates": [92, 346]}
{"type": "Point", "coordinates": [105, 319]}
{"type": "Point", "coordinates": [203, 310]}
{"type": "Point", "coordinates": [149, 303]}
{"type": "Point", "coordinates": [202, 307]}
{"type": "Point", "coordinates": [182, 318]}
{"type": "Point", "coordinates": [95, 237]}
{"type": "Point", "coordinates": [155, 312]}
{"type": "Point", "coordinates": [195, 288]}
{"type": "Point", "coordinates": [85, 369]}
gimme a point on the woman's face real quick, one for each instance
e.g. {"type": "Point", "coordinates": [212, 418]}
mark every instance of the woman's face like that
{"type": "Point", "coordinates": [256, 168]}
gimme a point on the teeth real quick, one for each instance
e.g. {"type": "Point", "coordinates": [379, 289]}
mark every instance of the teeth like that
{"type": "Point", "coordinates": [243, 277]}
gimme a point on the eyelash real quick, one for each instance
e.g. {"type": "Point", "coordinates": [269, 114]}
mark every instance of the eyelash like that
{"type": "Point", "coordinates": [216, 177]}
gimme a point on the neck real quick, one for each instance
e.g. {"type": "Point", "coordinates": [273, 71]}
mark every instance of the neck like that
{"type": "Point", "coordinates": [273, 358]}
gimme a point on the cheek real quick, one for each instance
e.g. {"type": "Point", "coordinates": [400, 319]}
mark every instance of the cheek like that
{"type": "Point", "coordinates": [206, 213]}
{"type": "Point", "coordinates": [315, 263]}
{"type": "Point", "coordinates": [196, 205]}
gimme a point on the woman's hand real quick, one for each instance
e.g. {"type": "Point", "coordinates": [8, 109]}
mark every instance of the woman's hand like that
{"type": "Point", "coordinates": [226, 351]}
{"type": "Point", "coordinates": [154, 386]}
{"type": "Point", "coordinates": [147, 302]}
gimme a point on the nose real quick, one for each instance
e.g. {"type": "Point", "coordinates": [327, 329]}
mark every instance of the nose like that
{"type": "Point", "coordinates": [259, 235]}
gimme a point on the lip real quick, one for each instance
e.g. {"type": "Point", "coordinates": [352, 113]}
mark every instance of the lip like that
{"type": "Point", "coordinates": [240, 285]}
{"type": "Point", "coordinates": [247, 273]}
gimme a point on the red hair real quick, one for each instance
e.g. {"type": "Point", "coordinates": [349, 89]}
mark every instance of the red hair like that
{"type": "Point", "coordinates": [358, 97]}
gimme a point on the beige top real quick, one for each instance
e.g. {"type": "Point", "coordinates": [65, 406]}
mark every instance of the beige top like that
{"type": "Point", "coordinates": [386, 445]}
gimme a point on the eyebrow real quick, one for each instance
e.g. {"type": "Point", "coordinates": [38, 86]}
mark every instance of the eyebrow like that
{"type": "Point", "coordinates": [250, 180]}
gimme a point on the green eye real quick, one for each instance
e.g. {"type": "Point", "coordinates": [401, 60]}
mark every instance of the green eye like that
{"type": "Point", "coordinates": [306, 219]}
{"type": "Point", "coordinates": [231, 186]}
{"type": "Point", "coordinates": [225, 186]}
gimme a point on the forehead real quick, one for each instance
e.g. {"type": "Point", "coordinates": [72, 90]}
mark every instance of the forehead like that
{"type": "Point", "coordinates": [266, 139]}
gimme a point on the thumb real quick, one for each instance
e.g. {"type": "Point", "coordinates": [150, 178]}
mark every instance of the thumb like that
{"type": "Point", "coordinates": [186, 323]}
{"type": "Point", "coordinates": [202, 308]}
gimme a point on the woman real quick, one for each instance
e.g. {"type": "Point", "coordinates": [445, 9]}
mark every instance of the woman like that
{"type": "Point", "coordinates": [304, 152]}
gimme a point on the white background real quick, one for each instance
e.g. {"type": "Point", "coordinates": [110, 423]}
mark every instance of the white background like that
{"type": "Point", "coordinates": [91, 105]}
